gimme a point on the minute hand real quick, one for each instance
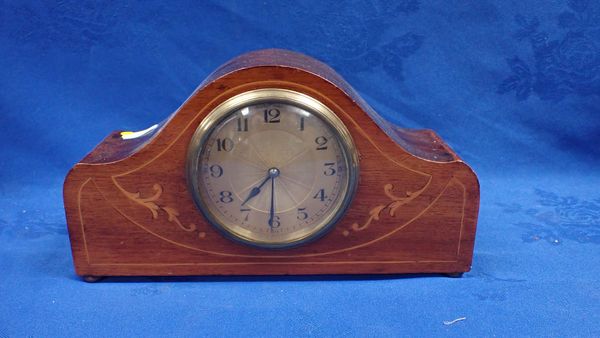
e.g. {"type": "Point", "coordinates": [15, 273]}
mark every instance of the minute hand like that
{"type": "Point", "coordinates": [272, 211]}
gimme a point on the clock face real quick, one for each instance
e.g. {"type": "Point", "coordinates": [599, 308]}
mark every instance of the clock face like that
{"type": "Point", "coordinates": [272, 168]}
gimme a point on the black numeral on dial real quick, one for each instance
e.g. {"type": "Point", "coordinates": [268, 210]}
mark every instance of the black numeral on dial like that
{"type": "Point", "coordinates": [226, 197]}
{"type": "Point", "coordinates": [272, 115]}
{"type": "Point", "coordinates": [216, 171]}
{"type": "Point", "coordinates": [247, 213]}
{"type": "Point", "coordinates": [242, 124]}
{"type": "Point", "coordinates": [302, 214]}
{"type": "Point", "coordinates": [320, 195]}
{"type": "Point", "coordinates": [225, 144]}
{"type": "Point", "coordinates": [329, 169]}
{"type": "Point", "coordinates": [321, 142]}
{"type": "Point", "coordinates": [275, 223]}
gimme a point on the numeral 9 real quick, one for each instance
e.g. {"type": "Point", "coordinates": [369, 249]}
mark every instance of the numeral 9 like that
{"type": "Point", "coordinates": [216, 171]}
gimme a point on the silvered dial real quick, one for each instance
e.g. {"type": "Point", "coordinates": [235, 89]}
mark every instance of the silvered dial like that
{"type": "Point", "coordinates": [275, 168]}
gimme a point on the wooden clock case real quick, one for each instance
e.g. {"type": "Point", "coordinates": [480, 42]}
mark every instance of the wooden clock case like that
{"type": "Point", "coordinates": [129, 211]}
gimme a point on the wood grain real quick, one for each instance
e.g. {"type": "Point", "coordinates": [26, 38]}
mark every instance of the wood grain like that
{"type": "Point", "coordinates": [129, 211]}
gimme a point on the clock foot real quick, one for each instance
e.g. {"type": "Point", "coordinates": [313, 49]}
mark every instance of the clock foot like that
{"type": "Point", "coordinates": [91, 279]}
{"type": "Point", "coordinates": [455, 274]}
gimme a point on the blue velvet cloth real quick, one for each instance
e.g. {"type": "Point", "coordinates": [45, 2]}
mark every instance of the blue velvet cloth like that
{"type": "Point", "coordinates": [512, 86]}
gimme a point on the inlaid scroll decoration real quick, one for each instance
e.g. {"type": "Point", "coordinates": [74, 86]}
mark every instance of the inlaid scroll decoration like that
{"type": "Point", "coordinates": [391, 207]}
{"type": "Point", "coordinates": [151, 203]}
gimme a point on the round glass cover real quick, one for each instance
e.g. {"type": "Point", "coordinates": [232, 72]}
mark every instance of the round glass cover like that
{"type": "Point", "coordinates": [272, 168]}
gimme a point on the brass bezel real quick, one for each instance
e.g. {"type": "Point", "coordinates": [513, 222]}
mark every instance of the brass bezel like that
{"type": "Point", "coordinates": [229, 107]}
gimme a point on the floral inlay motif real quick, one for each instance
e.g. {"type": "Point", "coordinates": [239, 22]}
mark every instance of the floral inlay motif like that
{"type": "Point", "coordinates": [151, 203]}
{"type": "Point", "coordinates": [391, 207]}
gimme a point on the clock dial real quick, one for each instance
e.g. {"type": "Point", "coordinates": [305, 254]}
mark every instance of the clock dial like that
{"type": "Point", "coordinates": [271, 171]}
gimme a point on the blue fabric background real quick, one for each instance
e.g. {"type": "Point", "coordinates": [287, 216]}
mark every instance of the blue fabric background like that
{"type": "Point", "coordinates": [513, 86]}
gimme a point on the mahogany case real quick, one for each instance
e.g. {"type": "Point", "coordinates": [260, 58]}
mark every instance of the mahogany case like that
{"type": "Point", "coordinates": [129, 211]}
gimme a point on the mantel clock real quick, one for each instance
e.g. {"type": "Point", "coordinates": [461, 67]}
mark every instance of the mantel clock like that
{"type": "Point", "coordinates": [273, 166]}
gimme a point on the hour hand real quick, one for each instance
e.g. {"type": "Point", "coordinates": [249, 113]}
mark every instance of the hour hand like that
{"type": "Point", "coordinates": [255, 190]}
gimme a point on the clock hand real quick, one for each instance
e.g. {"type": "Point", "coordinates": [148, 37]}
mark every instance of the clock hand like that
{"type": "Point", "coordinates": [272, 211]}
{"type": "Point", "coordinates": [256, 190]}
{"type": "Point", "coordinates": [273, 172]}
